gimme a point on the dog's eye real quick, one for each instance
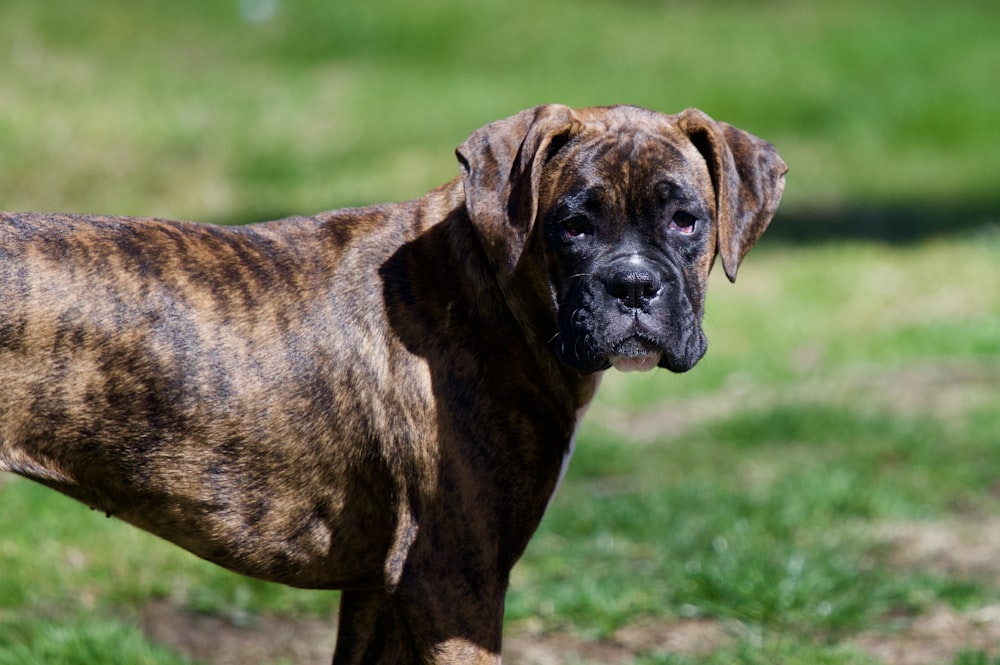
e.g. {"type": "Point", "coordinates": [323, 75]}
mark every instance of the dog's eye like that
{"type": "Point", "coordinates": [683, 222]}
{"type": "Point", "coordinates": [576, 226]}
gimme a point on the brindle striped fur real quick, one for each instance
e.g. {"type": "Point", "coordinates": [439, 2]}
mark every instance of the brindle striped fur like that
{"type": "Point", "coordinates": [377, 400]}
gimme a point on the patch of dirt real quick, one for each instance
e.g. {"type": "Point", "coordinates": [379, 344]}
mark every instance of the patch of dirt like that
{"type": "Point", "coordinates": [562, 648]}
{"type": "Point", "coordinates": [956, 548]}
{"type": "Point", "coordinates": [215, 640]}
{"type": "Point", "coordinates": [937, 637]}
{"type": "Point", "coordinates": [682, 636]}
{"type": "Point", "coordinates": [964, 549]}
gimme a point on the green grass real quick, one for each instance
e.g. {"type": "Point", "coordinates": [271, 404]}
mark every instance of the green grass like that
{"type": "Point", "coordinates": [185, 109]}
{"type": "Point", "coordinates": [762, 519]}
{"type": "Point", "coordinates": [870, 400]}
{"type": "Point", "coordinates": [847, 386]}
{"type": "Point", "coordinates": [77, 639]}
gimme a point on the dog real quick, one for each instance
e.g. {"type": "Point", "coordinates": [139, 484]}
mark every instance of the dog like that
{"type": "Point", "coordinates": [380, 400]}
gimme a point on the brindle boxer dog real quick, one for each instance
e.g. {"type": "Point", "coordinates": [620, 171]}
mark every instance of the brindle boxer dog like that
{"type": "Point", "coordinates": [379, 400]}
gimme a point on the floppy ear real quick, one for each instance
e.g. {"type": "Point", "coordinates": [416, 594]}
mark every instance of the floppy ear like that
{"type": "Point", "coordinates": [501, 168]}
{"type": "Point", "coordinates": [748, 176]}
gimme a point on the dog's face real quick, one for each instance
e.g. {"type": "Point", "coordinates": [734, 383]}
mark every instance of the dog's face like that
{"type": "Point", "coordinates": [627, 223]}
{"type": "Point", "coordinates": [623, 211]}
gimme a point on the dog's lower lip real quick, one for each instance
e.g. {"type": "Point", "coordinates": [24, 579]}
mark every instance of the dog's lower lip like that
{"type": "Point", "coordinates": [635, 347]}
{"type": "Point", "coordinates": [636, 363]}
{"type": "Point", "coordinates": [635, 355]}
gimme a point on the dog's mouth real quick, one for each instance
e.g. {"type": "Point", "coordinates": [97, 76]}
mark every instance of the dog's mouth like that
{"type": "Point", "coordinates": [635, 354]}
{"type": "Point", "coordinates": [594, 337]}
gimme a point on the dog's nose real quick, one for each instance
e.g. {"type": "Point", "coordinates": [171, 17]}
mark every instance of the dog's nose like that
{"type": "Point", "coordinates": [633, 287]}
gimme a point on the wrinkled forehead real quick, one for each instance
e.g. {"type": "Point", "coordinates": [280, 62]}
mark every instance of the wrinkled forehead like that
{"type": "Point", "coordinates": [629, 158]}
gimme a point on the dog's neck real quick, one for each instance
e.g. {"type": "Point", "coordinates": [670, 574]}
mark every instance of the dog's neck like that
{"type": "Point", "coordinates": [533, 317]}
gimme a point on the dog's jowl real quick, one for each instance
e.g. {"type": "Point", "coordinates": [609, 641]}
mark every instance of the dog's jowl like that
{"type": "Point", "coordinates": [377, 400]}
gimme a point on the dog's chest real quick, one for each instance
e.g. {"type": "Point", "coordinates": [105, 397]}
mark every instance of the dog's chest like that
{"type": "Point", "coordinates": [571, 448]}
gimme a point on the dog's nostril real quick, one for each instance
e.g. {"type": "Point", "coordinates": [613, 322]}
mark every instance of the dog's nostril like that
{"type": "Point", "coordinates": [634, 288]}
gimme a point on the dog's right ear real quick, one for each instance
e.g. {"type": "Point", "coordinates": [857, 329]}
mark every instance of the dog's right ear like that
{"type": "Point", "coordinates": [501, 167]}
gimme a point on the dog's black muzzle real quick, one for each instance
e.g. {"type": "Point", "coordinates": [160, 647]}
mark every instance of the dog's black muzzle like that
{"type": "Point", "coordinates": [632, 314]}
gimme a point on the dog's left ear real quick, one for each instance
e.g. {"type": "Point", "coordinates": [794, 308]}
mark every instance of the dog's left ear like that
{"type": "Point", "coordinates": [501, 168]}
{"type": "Point", "coordinates": [748, 176]}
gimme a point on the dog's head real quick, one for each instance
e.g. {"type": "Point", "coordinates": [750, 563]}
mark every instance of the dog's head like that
{"type": "Point", "coordinates": [625, 210]}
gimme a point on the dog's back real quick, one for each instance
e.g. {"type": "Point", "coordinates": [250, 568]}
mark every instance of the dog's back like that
{"type": "Point", "coordinates": [161, 372]}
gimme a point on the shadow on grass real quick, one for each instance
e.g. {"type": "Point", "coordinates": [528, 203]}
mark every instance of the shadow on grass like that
{"type": "Point", "coordinates": [897, 224]}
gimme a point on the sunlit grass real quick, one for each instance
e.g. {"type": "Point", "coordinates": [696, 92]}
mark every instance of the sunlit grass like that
{"type": "Point", "coordinates": [191, 110]}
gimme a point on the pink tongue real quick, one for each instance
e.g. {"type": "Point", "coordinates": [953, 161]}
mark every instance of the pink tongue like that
{"type": "Point", "coordinates": [642, 363]}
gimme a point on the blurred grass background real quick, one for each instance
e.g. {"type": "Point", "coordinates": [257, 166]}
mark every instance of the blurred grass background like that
{"type": "Point", "coordinates": [853, 379]}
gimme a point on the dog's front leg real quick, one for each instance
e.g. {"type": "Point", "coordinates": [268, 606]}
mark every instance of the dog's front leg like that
{"type": "Point", "coordinates": [379, 628]}
{"type": "Point", "coordinates": [368, 632]}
